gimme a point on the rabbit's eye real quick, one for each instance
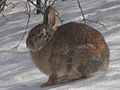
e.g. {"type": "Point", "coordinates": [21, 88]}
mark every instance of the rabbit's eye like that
{"type": "Point", "coordinates": [41, 35]}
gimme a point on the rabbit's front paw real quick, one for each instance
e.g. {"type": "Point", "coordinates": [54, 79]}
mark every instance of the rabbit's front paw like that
{"type": "Point", "coordinates": [52, 80]}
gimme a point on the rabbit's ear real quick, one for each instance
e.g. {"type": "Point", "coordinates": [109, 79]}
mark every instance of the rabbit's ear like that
{"type": "Point", "coordinates": [52, 18]}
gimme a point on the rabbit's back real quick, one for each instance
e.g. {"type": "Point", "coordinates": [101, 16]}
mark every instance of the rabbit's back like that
{"type": "Point", "coordinates": [84, 47]}
{"type": "Point", "coordinates": [78, 34]}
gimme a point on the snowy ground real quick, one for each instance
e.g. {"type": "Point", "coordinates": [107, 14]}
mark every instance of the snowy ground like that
{"type": "Point", "coordinates": [17, 71]}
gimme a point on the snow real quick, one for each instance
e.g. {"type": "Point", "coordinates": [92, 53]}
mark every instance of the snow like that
{"type": "Point", "coordinates": [17, 72]}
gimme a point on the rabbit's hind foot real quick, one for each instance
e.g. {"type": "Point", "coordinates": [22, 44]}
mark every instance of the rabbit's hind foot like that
{"type": "Point", "coordinates": [54, 80]}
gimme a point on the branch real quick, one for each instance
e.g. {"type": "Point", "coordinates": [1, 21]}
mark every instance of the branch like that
{"type": "Point", "coordinates": [97, 23]}
{"type": "Point", "coordinates": [4, 16]}
{"type": "Point", "coordinates": [28, 20]}
{"type": "Point", "coordinates": [37, 5]}
{"type": "Point", "coordinates": [58, 16]}
{"type": "Point", "coordinates": [2, 5]}
{"type": "Point", "coordinates": [81, 11]}
{"type": "Point", "coordinates": [60, 19]}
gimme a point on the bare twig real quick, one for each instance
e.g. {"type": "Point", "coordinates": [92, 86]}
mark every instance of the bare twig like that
{"type": "Point", "coordinates": [81, 11]}
{"type": "Point", "coordinates": [53, 3]}
{"type": "Point", "coordinates": [45, 3]}
{"type": "Point", "coordinates": [13, 4]}
{"type": "Point", "coordinates": [28, 20]}
{"type": "Point", "coordinates": [97, 23]}
{"type": "Point", "coordinates": [57, 11]}
{"type": "Point", "coordinates": [58, 16]}
{"type": "Point", "coordinates": [43, 6]}
{"type": "Point", "coordinates": [60, 19]}
{"type": "Point", "coordinates": [2, 5]}
{"type": "Point", "coordinates": [4, 16]}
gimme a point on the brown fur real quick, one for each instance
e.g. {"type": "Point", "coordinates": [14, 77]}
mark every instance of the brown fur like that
{"type": "Point", "coordinates": [74, 51]}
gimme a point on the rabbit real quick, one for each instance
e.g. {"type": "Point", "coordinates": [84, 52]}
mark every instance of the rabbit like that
{"type": "Point", "coordinates": [67, 52]}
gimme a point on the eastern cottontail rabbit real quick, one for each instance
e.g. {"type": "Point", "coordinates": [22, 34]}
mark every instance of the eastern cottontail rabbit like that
{"type": "Point", "coordinates": [70, 51]}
